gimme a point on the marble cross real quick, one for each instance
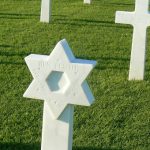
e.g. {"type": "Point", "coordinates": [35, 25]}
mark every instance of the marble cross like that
{"type": "Point", "coordinates": [140, 20]}
{"type": "Point", "coordinates": [60, 80]}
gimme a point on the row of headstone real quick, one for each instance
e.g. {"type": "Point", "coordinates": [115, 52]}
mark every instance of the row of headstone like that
{"type": "Point", "coordinates": [139, 19]}
{"type": "Point", "coordinates": [59, 79]}
{"type": "Point", "coordinates": [46, 10]}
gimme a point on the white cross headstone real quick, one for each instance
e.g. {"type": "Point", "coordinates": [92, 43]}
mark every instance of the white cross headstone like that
{"type": "Point", "coordinates": [45, 11]}
{"type": "Point", "coordinates": [140, 19]}
{"type": "Point", "coordinates": [87, 1]}
{"type": "Point", "coordinates": [59, 80]}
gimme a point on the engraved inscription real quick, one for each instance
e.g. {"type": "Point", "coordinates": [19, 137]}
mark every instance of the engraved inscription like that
{"type": "Point", "coordinates": [58, 66]}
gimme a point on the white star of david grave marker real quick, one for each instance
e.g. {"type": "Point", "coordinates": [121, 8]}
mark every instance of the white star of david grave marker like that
{"type": "Point", "coordinates": [46, 10]}
{"type": "Point", "coordinates": [59, 80]}
{"type": "Point", "coordinates": [140, 19]}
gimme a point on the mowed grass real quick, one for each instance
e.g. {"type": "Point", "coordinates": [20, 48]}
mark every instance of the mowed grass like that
{"type": "Point", "coordinates": [120, 117]}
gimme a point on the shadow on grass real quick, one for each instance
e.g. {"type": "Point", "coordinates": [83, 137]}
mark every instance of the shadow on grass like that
{"type": "Point", "coordinates": [113, 3]}
{"type": "Point", "coordinates": [19, 146]}
{"type": "Point", "coordinates": [11, 53]}
{"type": "Point", "coordinates": [106, 58]}
{"type": "Point", "coordinates": [17, 16]}
{"type": "Point", "coordinates": [23, 16]}
{"type": "Point", "coordinates": [88, 22]}
{"type": "Point", "coordinates": [102, 61]}
{"type": "Point", "coordinates": [119, 4]}
{"type": "Point", "coordinates": [37, 146]}
{"type": "Point", "coordinates": [93, 148]}
{"type": "Point", "coordinates": [64, 20]}
{"type": "Point", "coordinates": [10, 63]}
{"type": "Point", "coordinates": [5, 46]}
{"type": "Point", "coordinates": [109, 62]}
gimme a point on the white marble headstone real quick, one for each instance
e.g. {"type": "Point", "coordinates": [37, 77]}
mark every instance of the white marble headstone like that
{"type": "Point", "coordinates": [59, 80]}
{"type": "Point", "coordinates": [45, 11]}
{"type": "Point", "coordinates": [87, 1]}
{"type": "Point", "coordinates": [140, 20]}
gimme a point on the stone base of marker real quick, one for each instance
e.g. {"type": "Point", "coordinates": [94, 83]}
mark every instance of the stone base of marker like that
{"type": "Point", "coordinates": [57, 134]}
{"type": "Point", "coordinates": [45, 11]}
{"type": "Point", "coordinates": [87, 1]}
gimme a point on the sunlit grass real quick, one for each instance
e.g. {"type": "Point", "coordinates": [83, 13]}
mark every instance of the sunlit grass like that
{"type": "Point", "coordinates": [119, 118]}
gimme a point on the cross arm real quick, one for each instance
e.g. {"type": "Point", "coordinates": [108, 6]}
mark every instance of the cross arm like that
{"type": "Point", "coordinates": [124, 17]}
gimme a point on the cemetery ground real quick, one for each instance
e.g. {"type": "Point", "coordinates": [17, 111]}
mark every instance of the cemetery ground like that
{"type": "Point", "coordinates": [120, 117]}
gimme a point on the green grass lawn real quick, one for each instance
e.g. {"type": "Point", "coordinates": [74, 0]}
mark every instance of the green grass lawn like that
{"type": "Point", "coordinates": [120, 117]}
